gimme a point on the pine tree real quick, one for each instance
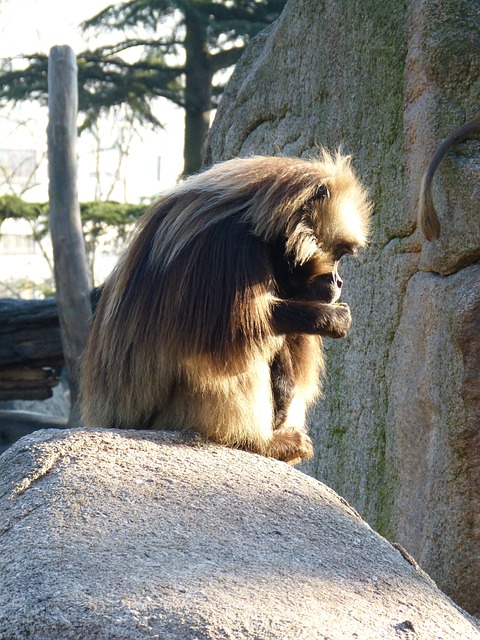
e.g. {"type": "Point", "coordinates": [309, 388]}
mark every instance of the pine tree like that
{"type": "Point", "coordinates": [191, 40]}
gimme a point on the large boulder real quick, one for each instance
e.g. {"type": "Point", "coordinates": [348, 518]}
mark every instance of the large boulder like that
{"type": "Point", "coordinates": [398, 430]}
{"type": "Point", "coordinates": [130, 535]}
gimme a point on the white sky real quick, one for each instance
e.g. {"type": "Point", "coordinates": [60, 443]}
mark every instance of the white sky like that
{"type": "Point", "coordinates": [31, 26]}
{"type": "Point", "coordinates": [34, 26]}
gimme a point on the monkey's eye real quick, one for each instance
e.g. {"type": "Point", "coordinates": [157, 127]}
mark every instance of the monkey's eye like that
{"type": "Point", "coordinates": [343, 250]}
{"type": "Point", "coordinates": [321, 193]}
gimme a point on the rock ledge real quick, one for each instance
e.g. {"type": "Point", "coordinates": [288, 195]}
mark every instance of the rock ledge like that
{"type": "Point", "coordinates": [128, 535]}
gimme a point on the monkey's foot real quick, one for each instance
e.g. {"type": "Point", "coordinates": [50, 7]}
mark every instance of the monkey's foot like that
{"type": "Point", "coordinates": [290, 445]}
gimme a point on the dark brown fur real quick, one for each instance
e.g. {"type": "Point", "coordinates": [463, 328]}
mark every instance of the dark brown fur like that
{"type": "Point", "coordinates": [213, 318]}
{"type": "Point", "coordinates": [427, 215]}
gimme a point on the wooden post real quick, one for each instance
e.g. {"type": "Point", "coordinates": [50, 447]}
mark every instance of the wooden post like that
{"type": "Point", "coordinates": [71, 279]}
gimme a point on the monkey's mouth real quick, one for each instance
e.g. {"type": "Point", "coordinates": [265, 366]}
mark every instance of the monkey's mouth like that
{"type": "Point", "coordinates": [337, 296]}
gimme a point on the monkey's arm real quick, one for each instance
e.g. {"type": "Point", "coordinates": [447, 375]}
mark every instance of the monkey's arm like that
{"type": "Point", "coordinates": [310, 317]}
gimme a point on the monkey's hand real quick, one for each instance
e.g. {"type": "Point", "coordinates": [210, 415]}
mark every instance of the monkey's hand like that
{"type": "Point", "coordinates": [290, 445]}
{"type": "Point", "coordinates": [341, 321]}
{"type": "Point", "coordinates": [311, 317]}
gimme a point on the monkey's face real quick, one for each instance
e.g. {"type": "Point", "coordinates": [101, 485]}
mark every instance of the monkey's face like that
{"type": "Point", "coordinates": [324, 288]}
{"type": "Point", "coordinates": [328, 226]}
{"type": "Point", "coordinates": [306, 283]}
{"type": "Point", "coordinates": [317, 278]}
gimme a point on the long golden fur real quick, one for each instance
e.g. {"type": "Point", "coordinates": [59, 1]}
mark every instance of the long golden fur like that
{"type": "Point", "coordinates": [427, 214]}
{"type": "Point", "coordinates": [213, 317]}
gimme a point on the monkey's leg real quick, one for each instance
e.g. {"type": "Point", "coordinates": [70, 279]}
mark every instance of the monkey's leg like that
{"type": "Point", "coordinates": [311, 317]}
{"type": "Point", "coordinates": [290, 441]}
{"type": "Point", "coordinates": [238, 411]}
{"type": "Point", "coordinates": [290, 445]}
{"type": "Point", "coordinates": [283, 385]}
{"type": "Point", "coordinates": [295, 373]}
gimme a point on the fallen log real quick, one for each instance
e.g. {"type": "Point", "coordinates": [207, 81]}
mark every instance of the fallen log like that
{"type": "Point", "coordinates": [28, 383]}
{"type": "Point", "coordinates": [30, 333]}
{"type": "Point", "coordinates": [31, 354]}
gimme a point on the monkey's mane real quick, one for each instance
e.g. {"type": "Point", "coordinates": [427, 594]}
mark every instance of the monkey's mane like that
{"type": "Point", "coordinates": [195, 282]}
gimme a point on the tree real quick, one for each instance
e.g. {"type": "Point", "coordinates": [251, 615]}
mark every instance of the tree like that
{"type": "Point", "coordinates": [181, 46]}
{"type": "Point", "coordinates": [102, 222]}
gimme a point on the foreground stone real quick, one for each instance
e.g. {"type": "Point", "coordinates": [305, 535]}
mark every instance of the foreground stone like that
{"type": "Point", "coordinates": [117, 535]}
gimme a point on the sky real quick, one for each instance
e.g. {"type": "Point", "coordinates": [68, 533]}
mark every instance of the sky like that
{"type": "Point", "coordinates": [156, 156]}
{"type": "Point", "coordinates": [34, 26]}
{"type": "Point", "coordinates": [30, 26]}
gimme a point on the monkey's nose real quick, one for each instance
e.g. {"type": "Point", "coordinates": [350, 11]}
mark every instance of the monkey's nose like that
{"type": "Point", "coordinates": [339, 281]}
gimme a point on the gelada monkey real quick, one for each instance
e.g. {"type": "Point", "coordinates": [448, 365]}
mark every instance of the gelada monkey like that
{"type": "Point", "coordinates": [427, 215]}
{"type": "Point", "coordinates": [213, 318]}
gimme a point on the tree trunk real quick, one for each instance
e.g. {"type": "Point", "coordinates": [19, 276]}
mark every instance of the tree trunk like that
{"type": "Point", "coordinates": [198, 93]}
{"type": "Point", "coordinates": [71, 277]}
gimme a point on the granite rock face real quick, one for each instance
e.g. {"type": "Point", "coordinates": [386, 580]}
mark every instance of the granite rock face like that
{"type": "Point", "coordinates": [133, 535]}
{"type": "Point", "coordinates": [398, 431]}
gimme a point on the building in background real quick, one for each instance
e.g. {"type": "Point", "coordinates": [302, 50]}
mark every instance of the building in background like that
{"type": "Point", "coordinates": [117, 161]}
